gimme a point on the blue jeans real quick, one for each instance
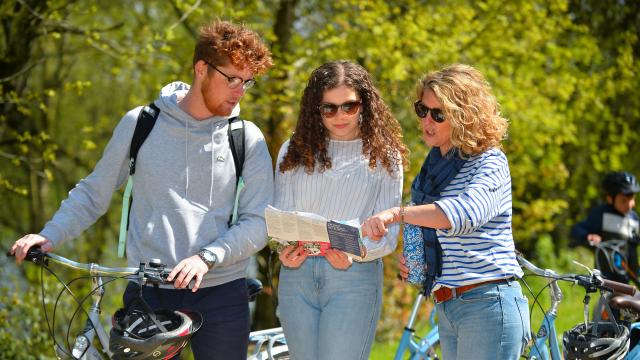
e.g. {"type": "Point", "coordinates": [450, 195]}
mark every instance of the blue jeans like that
{"type": "Point", "coordinates": [488, 322]}
{"type": "Point", "coordinates": [224, 333]}
{"type": "Point", "coordinates": [330, 314]}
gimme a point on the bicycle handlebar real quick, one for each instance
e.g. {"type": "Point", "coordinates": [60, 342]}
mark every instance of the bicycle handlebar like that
{"type": "Point", "coordinates": [534, 269]}
{"type": "Point", "coordinates": [620, 288]}
{"type": "Point", "coordinates": [152, 272]}
{"type": "Point", "coordinates": [586, 281]}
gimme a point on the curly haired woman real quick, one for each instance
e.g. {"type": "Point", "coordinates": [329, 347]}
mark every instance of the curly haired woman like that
{"type": "Point", "coordinates": [463, 197]}
{"type": "Point", "coordinates": [343, 162]}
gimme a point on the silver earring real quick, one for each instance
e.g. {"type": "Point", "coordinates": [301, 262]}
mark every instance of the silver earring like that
{"type": "Point", "coordinates": [360, 120]}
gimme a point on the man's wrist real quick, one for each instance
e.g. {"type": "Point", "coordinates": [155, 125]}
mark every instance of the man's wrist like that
{"type": "Point", "coordinates": [208, 257]}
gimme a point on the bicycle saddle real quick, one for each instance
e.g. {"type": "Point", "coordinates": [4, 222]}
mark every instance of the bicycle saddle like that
{"type": "Point", "coordinates": [626, 302]}
{"type": "Point", "coordinates": [254, 288]}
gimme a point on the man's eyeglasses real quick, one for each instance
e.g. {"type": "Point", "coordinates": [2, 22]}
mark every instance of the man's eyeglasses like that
{"type": "Point", "coordinates": [423, 110]}
{"type": "Point", "coordinates": [330, 110]}
{"type": "Point", "coordinates": [233, 81]}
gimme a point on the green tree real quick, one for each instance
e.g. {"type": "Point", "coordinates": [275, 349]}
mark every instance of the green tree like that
{"type": "Point", "coordinates": [563, 70]}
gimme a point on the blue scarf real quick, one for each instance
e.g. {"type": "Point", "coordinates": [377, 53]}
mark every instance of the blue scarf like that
{"type": "Point", "coordinates": [436, 173]}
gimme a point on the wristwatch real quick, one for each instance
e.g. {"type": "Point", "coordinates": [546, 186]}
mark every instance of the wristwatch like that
{"type": "Point", "coordinates": [208, 257]}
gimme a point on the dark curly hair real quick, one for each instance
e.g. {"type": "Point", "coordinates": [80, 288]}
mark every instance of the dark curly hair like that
{"type": "Point", "coordinates": [380, 131]}
{"type": "Point", "coordinates": [222, 42]}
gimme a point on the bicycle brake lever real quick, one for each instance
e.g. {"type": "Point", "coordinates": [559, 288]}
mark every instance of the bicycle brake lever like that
{"type": "Point", "coordinates": [591, 272]}
{"type": "Point", "coordinates": [36, 255]}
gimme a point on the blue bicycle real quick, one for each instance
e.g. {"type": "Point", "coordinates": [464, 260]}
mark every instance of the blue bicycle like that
{"type": "Point", "coordinates": [584, 339]}
{"type": "Point", "coordinates": [419, 348]}
{"type": "Point", "coordinates": [598, 336]}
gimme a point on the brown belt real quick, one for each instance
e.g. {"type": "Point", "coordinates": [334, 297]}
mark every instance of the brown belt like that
{"type": "Point", "coordinates": [445, 294]}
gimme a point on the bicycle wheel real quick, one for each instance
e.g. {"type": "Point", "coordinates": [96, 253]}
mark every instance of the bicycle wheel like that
{"type": "Point", "coordinates": [277, 353]}
{"type": "Point", "coordinates": [282, 356]}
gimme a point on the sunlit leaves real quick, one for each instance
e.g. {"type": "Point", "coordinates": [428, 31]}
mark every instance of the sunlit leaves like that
{"type": "Point", "coordinates": [78, 86]}
{"type": "Point", "coordinates": [565, 75]}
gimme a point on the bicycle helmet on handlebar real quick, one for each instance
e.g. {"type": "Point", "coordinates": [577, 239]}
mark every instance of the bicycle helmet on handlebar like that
{"type": "Point", "coordinates": [137, 335]}
{"type": "Point", "coordinates": [615, 183]}
{"type": "Point", "coordinates": [604, 341]}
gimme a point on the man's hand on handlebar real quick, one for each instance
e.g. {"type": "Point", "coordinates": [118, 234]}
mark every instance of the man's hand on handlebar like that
{"type": "Point", "coordinates": [188, 269]}
{"type": "Point", "coordinates": [20, 247]}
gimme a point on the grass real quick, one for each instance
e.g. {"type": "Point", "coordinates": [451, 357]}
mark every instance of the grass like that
{"type": "Point", "coordinates": [383, 350]}
{"type": "Point", "coordinates": [570, 311]}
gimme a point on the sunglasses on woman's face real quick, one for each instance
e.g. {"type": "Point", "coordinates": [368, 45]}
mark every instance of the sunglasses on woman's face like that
{"type": "Point", "coordinates": [423, 110]}
{"type": "Point", "coordinates": [330, 110]}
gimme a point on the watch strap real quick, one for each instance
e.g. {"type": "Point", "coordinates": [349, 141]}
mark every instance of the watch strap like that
{"type": "Point", "coordinates": [208, 257]}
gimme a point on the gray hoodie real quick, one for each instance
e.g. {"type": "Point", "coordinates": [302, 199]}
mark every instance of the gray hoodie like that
{"type": "Point", "coordinates": [183, 191]}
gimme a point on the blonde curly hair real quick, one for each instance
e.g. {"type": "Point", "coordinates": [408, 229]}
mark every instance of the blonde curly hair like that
{"type": "Point", "coordinates": [468, 105]}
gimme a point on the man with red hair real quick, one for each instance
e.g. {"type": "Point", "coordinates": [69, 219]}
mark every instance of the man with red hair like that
{"type": "Point", "coordinates": [185, 192]}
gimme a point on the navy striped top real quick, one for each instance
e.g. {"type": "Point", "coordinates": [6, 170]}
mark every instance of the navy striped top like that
{"type": "Point", "coordinates": [479, 245]}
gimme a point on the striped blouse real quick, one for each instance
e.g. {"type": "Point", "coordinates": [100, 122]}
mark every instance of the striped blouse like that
{"type": "Point", "coordinates": [348, 190]}
{"type": "Point", "coordinates": [479, 245]}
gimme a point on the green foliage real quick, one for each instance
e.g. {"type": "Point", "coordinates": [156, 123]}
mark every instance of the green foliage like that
{"type": "Point", "coordinates": [545, 253]}
{"type": "Point", "coordinates": [564, 71]}
{"type": "Point", "coordinates": [23, 334]}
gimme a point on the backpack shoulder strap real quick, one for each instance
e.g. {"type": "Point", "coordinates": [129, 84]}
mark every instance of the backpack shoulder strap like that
{"type": "Point", "coordinates": [235, 133]}
{"type": "Point", "coordinates": [146, 121]}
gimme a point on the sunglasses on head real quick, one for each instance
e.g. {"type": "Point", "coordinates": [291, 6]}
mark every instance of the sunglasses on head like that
{"type": "Point", "coordinates": [330, 110]}
{"type": "Point", "coordinates": [423, 110]}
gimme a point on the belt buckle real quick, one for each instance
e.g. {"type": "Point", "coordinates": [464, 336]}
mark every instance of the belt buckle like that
{"type": "Point", "coordinates": [435, 297]}
{"type": "Point", "coordinates": [446, 297]}
{"type": "Point", "coordinates": [454, 294]}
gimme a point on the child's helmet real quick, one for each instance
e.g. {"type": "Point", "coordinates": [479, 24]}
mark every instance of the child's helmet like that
{"type": "Point", "coordinates": [624, 182]}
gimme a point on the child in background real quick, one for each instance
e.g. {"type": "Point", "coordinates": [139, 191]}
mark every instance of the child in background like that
{"type": "Point", "coordinates": [613, 220]}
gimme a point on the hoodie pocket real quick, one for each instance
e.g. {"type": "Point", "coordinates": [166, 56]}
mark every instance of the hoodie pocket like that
{"type": "Point", "coordinates": [174, 234]}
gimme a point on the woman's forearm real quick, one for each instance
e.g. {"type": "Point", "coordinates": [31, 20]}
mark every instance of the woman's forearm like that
{"type": "Point", "coordinates": [429, 215]}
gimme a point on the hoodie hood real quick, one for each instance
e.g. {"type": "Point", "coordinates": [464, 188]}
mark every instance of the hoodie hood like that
{"type": "Point", "coordinates": [198, 139]}
{"type": "Point", "coordinates": [168, 102]}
